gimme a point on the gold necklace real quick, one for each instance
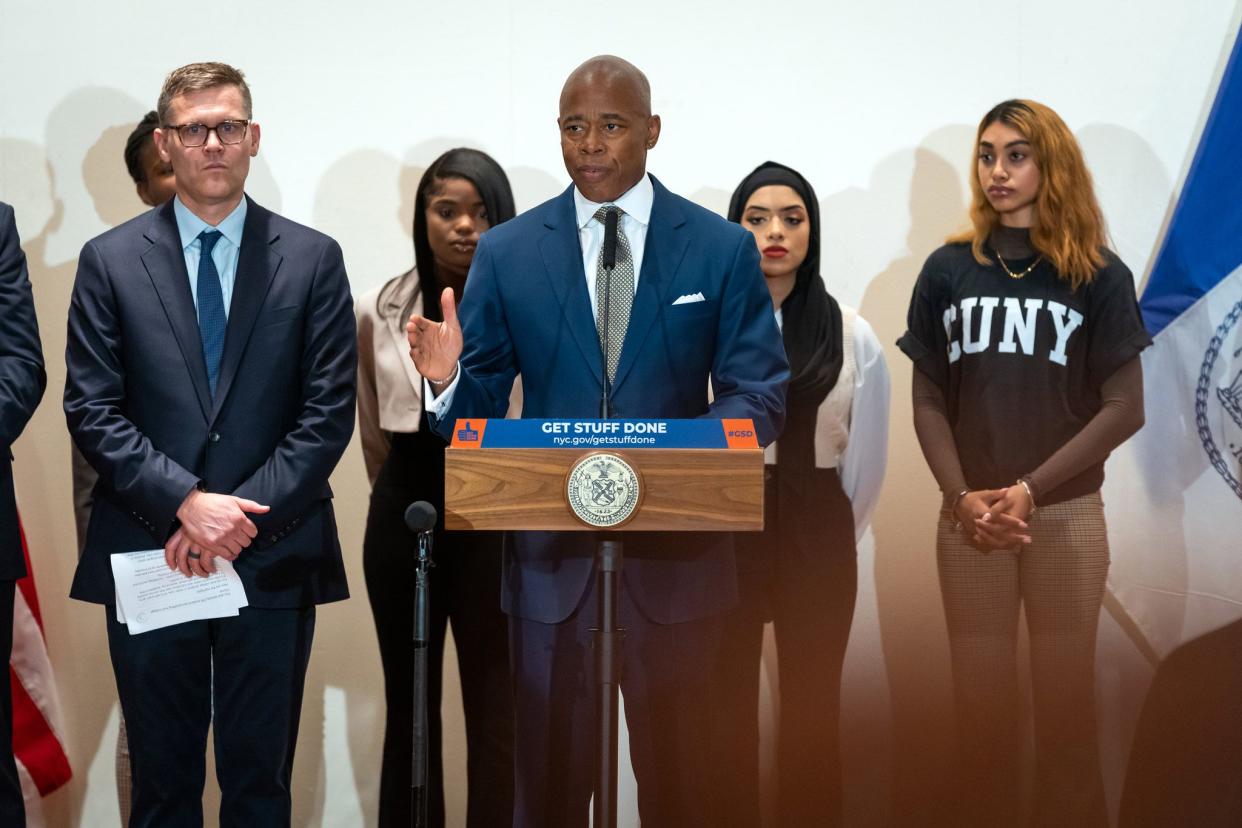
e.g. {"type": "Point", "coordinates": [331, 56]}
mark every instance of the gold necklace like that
{"type": "Point", "coordinates": [1013, 275]}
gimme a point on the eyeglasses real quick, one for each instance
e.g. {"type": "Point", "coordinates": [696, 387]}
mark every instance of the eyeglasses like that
{"type": "Point", "coordinates": [195, 135]}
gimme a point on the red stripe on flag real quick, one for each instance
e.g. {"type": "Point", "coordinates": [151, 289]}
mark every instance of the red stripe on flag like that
{"type": "Point", "coordinates": [35, 743]}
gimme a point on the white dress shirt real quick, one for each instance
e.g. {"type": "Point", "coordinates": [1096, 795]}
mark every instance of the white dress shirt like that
{"type": "Point", "coordinates": [636, 204]}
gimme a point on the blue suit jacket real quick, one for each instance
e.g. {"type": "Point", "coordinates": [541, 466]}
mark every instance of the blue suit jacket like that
{"type": "Point", "coordinates": [526, 310]}
{"type": "Point", "coordinates": [141, 411]}
{"type": "Point", "coordinates": [22, 380]}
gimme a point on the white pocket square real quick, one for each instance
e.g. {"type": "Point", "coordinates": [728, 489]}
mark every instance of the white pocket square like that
{"type": "Point", "coordinates": [689, 298]}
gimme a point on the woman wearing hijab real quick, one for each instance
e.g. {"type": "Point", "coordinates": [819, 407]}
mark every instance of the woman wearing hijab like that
{"type": "Point", "coordinates": [822, 480]}
{"type": "Point", "coordinates": [462, 194]}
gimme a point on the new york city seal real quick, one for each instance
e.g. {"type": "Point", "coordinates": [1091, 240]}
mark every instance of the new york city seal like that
{"type": "Point", "coordinates": [603, 490]}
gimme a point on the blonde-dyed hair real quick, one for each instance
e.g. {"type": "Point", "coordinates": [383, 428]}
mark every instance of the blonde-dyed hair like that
{"type": "Point", "coordinates": [194, 77]}
{"type": "Point", "coordinates": [1069, 227]}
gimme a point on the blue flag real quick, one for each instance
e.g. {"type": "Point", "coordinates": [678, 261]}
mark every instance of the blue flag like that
{"type": "Point", "coordinates": [1174, 492]}
{"type": "Point", "coordinates": [1204, 241]}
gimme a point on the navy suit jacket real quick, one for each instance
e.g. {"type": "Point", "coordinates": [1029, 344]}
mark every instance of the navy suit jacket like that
{"type": "Point", "coordinates": [141, 411]}
{"type": "Point", "coordinates": [526, 311]}
{"type": "Point", "coordinates": [22, 380]}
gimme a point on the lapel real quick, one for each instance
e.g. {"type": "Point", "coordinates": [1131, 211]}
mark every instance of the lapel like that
{"type": "Point", "coordinates": [393, 319]}
{"type": "Point", "coordinates": [165, 264]}
{"type": "Point", "coordinates": [662, 254]}
{"type": "Point", "coordinates": [562, 258]}
{"type": "Point", "coordinates": [257, 263]}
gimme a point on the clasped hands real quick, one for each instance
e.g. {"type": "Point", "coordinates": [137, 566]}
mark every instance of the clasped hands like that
{"type": "Point", "coordinates": [212, 526]}
{"type": "Point", "coordinates": [996, 518]}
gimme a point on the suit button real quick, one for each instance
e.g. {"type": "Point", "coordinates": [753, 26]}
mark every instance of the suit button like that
{"type": "Point", "coordinates": [214, 436]}
{"type": "Point", "coordinates": [272, 539]}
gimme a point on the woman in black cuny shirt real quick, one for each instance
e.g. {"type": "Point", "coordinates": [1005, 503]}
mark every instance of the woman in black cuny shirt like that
{"type": "Point", "coordinates": [1025, 334]}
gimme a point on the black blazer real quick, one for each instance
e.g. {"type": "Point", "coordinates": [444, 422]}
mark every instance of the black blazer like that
{"type": "Point", "coordinates": [22, 380]}
{"type": "Point", "coordinates": [140, 409]}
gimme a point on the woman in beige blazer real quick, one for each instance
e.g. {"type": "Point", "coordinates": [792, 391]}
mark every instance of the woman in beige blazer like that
{"type": "Point", "coordinates": [462, 194]}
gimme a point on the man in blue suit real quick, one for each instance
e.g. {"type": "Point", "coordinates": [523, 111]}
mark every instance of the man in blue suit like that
{"type": "Point", "coordinates": [211, 369]}
{"type": "Point", "coordinates": [687, 305]}
{"type": "Point", "coordinates": [22, 380]}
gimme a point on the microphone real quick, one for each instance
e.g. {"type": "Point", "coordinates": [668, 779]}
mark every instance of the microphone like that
{"type": "Point", "coordinates": [610, 238]}
{"type": "Point", "coordinates": [609, 260]}
{"type": "Point", "coordinates": [420, 516]}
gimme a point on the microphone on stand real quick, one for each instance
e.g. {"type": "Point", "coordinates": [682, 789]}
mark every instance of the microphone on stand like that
{"type": "Point", "coordinates": [420, 517]}
{"type": "Point", "coordinates": [610, 238]}
{"type": "Point", "coordinates": [608, 570]}
{"type": "Point", "coordinates": [609, 260]}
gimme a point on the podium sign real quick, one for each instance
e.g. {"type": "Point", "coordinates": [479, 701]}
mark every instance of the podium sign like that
{"type": "Point", "coordinates": [588, 475]}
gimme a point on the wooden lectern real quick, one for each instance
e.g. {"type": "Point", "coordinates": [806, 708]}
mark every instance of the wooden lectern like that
{"type": "Point", "coordinates": [603, 476]}
{"type": "Point", "coordinates": [694, 475]}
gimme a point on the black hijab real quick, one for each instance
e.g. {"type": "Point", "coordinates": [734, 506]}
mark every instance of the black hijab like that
{"type": "Point", "coordinates": [811, 330]}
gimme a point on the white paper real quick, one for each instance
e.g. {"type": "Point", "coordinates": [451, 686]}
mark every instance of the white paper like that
{"type": "Point", "coordinates": [149, 595]}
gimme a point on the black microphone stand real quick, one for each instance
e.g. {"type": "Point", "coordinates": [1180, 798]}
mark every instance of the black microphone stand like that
{"type": "Point", "coordinates": [608, 635]}
{"type": "Point", "coordinates": [420, 517]}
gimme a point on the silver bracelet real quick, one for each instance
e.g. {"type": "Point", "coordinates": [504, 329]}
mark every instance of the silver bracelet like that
{"type": "Point", "coordinates": [957, 523]}
{"type": "Point", "coordinates": [1030, 494]}
{"type": "Point", "coordinates": [447, 380]}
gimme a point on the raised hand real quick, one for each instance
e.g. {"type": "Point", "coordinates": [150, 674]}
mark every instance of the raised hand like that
{"type": "Point", "coordinates": [436, 347]}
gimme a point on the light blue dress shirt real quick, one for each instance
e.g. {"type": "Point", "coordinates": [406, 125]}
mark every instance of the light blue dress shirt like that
{"type": "Point", "coordinates": [224, 254]}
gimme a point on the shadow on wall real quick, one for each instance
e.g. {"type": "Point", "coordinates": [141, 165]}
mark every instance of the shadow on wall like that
{"type": "Point", "coordinates": [63, 194]}
{"type": "Point", "coordinates": [374, 232]}
{"type": "Point", "coordinates": [75, 635]}
{"type": "Point", "coordinates": [344, 683]}
{"type": "Point", "coordinates": [532, 186]}
{"type": "Point", "coordinates": [1124, 164]}
{"type": "Point", "coordinates": [711, 198]}
{"type": "Point", "coordinates": [907, 587]}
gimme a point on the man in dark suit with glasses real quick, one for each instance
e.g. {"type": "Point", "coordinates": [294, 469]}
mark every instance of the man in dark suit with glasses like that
{"type": "Point", "coordinates": [211, 369]}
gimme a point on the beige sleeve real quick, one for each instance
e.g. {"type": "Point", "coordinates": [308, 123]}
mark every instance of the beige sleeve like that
{"type": "Point", "coordinates": [375, 442]}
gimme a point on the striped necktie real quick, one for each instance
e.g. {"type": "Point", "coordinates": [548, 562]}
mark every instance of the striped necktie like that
{"type": "Point", "coordinates": [617, 290]}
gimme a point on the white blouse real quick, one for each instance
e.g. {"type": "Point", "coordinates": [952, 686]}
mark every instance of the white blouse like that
{"type": "Point", "coordinates": [851, 432]}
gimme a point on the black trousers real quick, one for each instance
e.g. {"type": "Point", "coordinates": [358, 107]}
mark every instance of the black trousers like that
{"type": "Point", "coordinates": [665, 683]}
{"type": "Point", "coordinates": [465, 592]}
{"type": "Point", "coordinates": [800, 573]}
{"type": "Point", "coordinates": [12, 807]}
{"type": "Point", "coordinates": [249, 672]}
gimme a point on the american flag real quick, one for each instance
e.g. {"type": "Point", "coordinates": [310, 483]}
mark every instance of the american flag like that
{"type": "Point", "coordinates": [38, 743]}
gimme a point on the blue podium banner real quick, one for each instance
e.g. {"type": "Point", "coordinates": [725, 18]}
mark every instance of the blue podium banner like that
{"type": "Point", "coordinates": [605, 434]}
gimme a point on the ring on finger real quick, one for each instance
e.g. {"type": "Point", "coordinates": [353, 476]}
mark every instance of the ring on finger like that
{"type": "Point", "coordinates": [194, 556]}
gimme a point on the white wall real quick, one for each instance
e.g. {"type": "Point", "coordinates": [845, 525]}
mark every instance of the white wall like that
{"type": "Point", "coordinates": [875, 102]}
